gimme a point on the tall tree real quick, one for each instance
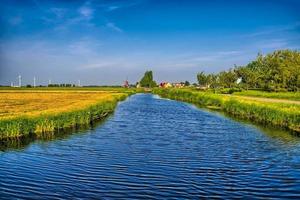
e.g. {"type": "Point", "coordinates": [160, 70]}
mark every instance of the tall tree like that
{"type": "Point", "coordinates": [147, 80]}
{"type": "Point", "coordinates": [202, 79]}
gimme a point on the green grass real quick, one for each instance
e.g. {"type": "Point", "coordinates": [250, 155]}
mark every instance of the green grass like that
{"type": "Point", "coordinates": [277, 114]}
{"type": "Point", "coordinates": [275, 95]}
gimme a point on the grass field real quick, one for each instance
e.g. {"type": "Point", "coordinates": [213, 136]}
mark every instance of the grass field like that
{"type": "Point", "coordinates": [285, 115]}
{"type": "Point", "coordinates": [38, 111]}
{"type": "Point", "coordinates": [274, 95]}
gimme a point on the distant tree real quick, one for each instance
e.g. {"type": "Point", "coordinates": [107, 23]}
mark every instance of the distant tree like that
{"type": "Point", "coordinates": [147, 80]}
{"type": "Point", "coordinates": [227, 78]}
{"type": "Point", "coordinates": [276, 71]}
{"type": "Point", "coordinates": [186, 83]}
{"type": "Point", "coordinates": [202, 79]}
{"type": "Point", "coordinates": [213, 81]}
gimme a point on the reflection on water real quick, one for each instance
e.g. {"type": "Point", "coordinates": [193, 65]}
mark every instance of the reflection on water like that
{"type": "Point", "coordinates": [22, 143]}
{"type": "Point", "coordinates": [155, 149]}
{"type": "Point", "coordinates": [281, 135]}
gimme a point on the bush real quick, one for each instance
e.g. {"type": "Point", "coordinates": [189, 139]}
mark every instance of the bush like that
{"type": "Point", "coordinates": [229, 90]}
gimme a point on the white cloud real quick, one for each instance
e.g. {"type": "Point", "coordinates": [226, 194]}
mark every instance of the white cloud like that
{"type": "Point", "coordinates": [84, 47]}
{"type": "Point", "coordinates": [122, 4]}
{"type": "Point", "coordinates": [86, 12]}
{"type": "Point", "coordinates": [113, 27]}
{"type": "Point", "coordinates": [270, 30]}
{"type": "Point", "coordinates": [98, 64]}
{"type": "Point", "coordinates": [84, 17]}
{"type": "Point", "coordinates": [111, 8]}
{"type": "Point", "coordinates": [228, 53]}
{"type": "Point", "coordinates": [196, 59]}
{"type": "Point", "coordinates": [272, 44]}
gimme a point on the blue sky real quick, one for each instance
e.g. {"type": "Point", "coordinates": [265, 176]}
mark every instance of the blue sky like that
{"type": "Point", "coordinates": [105, 42]}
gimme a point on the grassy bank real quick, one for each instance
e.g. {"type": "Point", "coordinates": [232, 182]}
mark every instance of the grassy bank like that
{"type": "Point", "coordinates": [282, 115]}
{"type": "Point", "coordinates": [37, 112]}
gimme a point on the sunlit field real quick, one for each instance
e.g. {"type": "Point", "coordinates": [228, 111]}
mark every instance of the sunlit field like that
{"type": "Point", "coordinates": [34, 103]}
{"type": "Point", "coordinates": [275, 95]}
{"type": "Point", "coordinates": [38, 111]}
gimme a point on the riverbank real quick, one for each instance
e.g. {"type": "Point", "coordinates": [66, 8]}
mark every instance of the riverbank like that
{"type": "Point", "coordinates": [43, 111]}
{"type": "Point", "coordinates": [156, 147]}
{"type": "Point", "coordinates": [279, 114]}
{"type": "Point", "coordinates": [40, 112]}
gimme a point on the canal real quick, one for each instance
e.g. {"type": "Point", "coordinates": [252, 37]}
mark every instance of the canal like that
{"type": "Point", "coordinates": [155, 148]}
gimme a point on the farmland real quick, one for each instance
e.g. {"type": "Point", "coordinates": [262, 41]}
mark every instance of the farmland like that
{"type": "Point", "coordinates": [40, 111]}
{"type": "Point", "coordinates": [274, 95]}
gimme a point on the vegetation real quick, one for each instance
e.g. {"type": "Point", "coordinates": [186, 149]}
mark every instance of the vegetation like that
{"type": "Point", "coordinates": [277, 71]}
{"type": "Point", "coordinates": [274, 95]}
{"type": "Point", "coordinates": [187, 83]}
{"type": "Point", "coordinates": [285, 115]}
{"type": "Point", "coordinates": [39, 112]}
{"type": "Point", "coordinates": [147, 80]}
{"type": "Point", "coordinates": [60, 89]}
{"type": "Point", "coordinates": [203, 79]}
{"type": "Point", "coordinates": [62, 85]}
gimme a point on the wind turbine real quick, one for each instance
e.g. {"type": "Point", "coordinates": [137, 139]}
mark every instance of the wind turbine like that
{"type": "Point", "coordinates": [20, 80]}
{"type": "Point", "coordinates": [34, 82]}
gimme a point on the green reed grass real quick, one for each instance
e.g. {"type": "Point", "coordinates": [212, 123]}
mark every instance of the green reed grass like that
{"type": "Point", "coordinates": [282, 115]}
{"type": "Point", "coordinates": [47, 124]}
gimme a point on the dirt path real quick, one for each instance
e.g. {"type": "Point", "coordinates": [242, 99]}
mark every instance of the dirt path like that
{"type": "Point", "coordinates": [262, 99]}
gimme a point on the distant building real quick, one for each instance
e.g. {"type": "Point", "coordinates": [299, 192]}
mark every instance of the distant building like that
{"type": "Point", "coordinates": [126, 84]}
{"type": "Point", "coordinates": [165, 85]}
{"type": "Point", "coordinates": [178, 85]}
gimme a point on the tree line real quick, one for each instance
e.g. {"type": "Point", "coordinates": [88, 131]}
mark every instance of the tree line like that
{"type": "Point", "coordinates": [276, 71]}
{"type": "Point", "coordinates": [62, 85]}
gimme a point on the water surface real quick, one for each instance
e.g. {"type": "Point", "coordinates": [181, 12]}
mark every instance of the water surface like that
{"type": "Point", "coordinates": [157, 149]}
